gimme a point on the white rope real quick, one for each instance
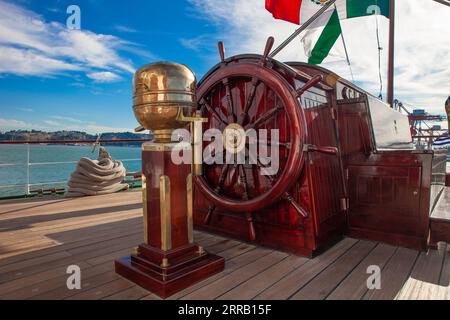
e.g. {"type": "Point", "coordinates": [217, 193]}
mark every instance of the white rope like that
{"type": "Point", "coordinates": [95, 177]}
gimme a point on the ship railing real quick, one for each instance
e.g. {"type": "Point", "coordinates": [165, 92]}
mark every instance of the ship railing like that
{"type": "Point", "coordinates": [27, 185]}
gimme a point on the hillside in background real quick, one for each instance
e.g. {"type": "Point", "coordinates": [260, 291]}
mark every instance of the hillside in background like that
{"type": "Point", "coordinates": [22, 135]}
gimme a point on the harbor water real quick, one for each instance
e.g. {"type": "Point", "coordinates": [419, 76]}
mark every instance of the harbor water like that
{"type": "Point", "coordinates": [51, 165]}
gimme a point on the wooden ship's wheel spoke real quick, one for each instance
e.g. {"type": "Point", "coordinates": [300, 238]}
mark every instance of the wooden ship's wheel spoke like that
{"type": "Point", "coordinates": [232, 116]}
{"type": "Point", "coordinates": [223, 175]}
{"type": "Point", "coordinates": [248, 215]}
{"type": "Point", "coordinates": [264, 118]}
{"type": "Point", "coordinates": [213, 111]}
{"type": "Point", "coordinates": [251, 95]}
{"type": "Point", "coordinates": [249, 102]}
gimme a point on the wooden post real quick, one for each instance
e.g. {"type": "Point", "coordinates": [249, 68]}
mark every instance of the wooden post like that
{"type": "Point", "coordinates": [168, 261]}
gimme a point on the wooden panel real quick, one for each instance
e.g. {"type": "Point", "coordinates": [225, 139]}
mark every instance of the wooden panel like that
{"type": "Point", "coordinates": [379, 192]}
{"type": "Point", "coordinates": [387, 202]}
{"type": "Point", "coordinates": [354, 129]}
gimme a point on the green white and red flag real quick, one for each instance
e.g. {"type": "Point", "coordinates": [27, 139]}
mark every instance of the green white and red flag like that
{"type": "Point", "coordinates": [321, 36]}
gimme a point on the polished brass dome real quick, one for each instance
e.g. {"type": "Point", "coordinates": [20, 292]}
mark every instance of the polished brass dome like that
{"type": "Point", "coordinates": [163, 93]}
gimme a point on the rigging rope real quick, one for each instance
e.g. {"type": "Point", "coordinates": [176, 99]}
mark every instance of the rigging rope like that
{"type": "Point", "coordinates": [346, 52]}
{"type": "Point", "coordinates": [379, 56]}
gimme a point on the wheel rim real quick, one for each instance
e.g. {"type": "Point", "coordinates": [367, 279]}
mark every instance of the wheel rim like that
{"type": "Point", "coordinates": [250, 95]}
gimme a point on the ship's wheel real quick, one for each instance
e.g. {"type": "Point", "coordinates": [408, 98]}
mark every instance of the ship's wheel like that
{"type": "Point", "coordinates": [245, 94]}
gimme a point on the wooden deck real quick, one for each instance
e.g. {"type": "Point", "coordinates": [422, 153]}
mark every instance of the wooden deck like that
{"type": "Point", "coordinates": [40, 238]}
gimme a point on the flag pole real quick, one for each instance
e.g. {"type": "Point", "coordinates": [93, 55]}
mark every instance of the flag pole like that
{"type": "Point", "coordinates": [390, 93]}
{"type": "Point", "coordinates": [346, 52]}
{"type": "Point", "coordinates": [302, 27]}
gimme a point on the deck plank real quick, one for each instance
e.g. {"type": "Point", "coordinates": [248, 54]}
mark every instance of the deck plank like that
{"type": "Point", "coordinates": [252, 287]}
{"type": "Point", "coordinates": [233, 279]}
{"type": "Point", "coordinates": [133, 293]}
{"type": "Point", "coordinates": [444, 279]}
{"type": "Point", "coordinates": [35, 280]}
{"type": "Point", "coordinates": [441, 211]}
{"type": "Point", "coordinates": [394, 275]}
{"type": "Point", "coordinates": [322, 285]}
{"type": "Point", "coordinates": [40, 237]}
{"type": "Point", "coordinates": [70, 260]}
{"type": "Point", "coordinates": [293, 281]}
{"type": "Point", "coordinates": [105, 290]}
{"type": "Point", "coordinates": [97, 235]}
{"type": "Point", "coordinates": [48, 288]}
{"type": "Point", "coordinates": [424, 280]}
{"type": "Point", "coordinates": [355, 285]}
{"type": "Point", "coordinates": [236, 258]}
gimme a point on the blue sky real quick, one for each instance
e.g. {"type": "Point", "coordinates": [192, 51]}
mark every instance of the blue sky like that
{"type": "Point", "coordinates": [62, 98]}
{"type": "Point", "coordinates": [52, 78]}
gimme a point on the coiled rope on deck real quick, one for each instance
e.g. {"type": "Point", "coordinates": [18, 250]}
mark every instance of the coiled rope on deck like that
{"type": "Point", "coordinates": [96, 177]}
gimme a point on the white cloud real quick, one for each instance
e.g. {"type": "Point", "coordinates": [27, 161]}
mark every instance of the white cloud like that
{"type": "Point", "coordinates": [51, 125]}
{"type": "Point", "coordinates": [96, 128]}
{"type": "Point", "coordinates": [13, 124]}
{"type": "Point", "coordinates": [126, 29]}
{"type": "Point", "coordinates": [197, 43]}
{"type": "Point", "coordinates": [89, 127]}
{"type": "Point", "coordinates": [26, 109]}
{"type": "Point", "coordinates": [29, 45]}
{"type": "Point", "coordinates": [93, 50]}
{"type": "Point", "coordinates": [29, 62]}
{"type": "Point", "coordinates": [422, 45]}
{"type": "Point", "coordinates": [104, 76]}
{"type": "Point", "coordinates": [69, 119]}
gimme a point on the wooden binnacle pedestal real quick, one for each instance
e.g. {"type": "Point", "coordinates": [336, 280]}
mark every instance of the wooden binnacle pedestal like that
{"type": "Point", "coordinates": [168, 261]}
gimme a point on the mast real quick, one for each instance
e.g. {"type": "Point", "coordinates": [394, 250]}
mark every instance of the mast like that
{"type": "Point", "coordinates": [390, 92]}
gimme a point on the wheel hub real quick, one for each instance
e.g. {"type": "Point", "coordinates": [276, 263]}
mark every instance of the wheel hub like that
{"type": "Point", "coordinates": [234, 138]}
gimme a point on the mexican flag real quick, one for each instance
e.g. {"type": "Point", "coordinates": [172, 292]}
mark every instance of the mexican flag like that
{"type": "Point", "coordinates": [321, 36]}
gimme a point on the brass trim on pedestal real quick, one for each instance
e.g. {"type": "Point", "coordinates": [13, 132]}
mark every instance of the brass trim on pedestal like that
{"type": "Point", "coordinates": [196, 126]}
{"type": "Point", "coordinates": [190, 204]}
{"type": "Point", "coordinates": [166, 223]}
{"type": "Point", "coordinates": [144, 207]}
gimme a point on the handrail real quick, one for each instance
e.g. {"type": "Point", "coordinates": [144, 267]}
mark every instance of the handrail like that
{"type": "Point", "coordinates": [429, 137]}
{"type": "Point", "coordinates": [21, 164]}
{"type": "Point", "coordinates": [70, 141]}
{"type": "Point", "coordinates": [27, 164]}
{"type": "Point", "coordinates": [31, 184]}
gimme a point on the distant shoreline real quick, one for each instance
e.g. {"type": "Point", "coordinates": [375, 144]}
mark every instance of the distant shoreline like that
{"type": "Point", "coordinates": [21, 136]}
